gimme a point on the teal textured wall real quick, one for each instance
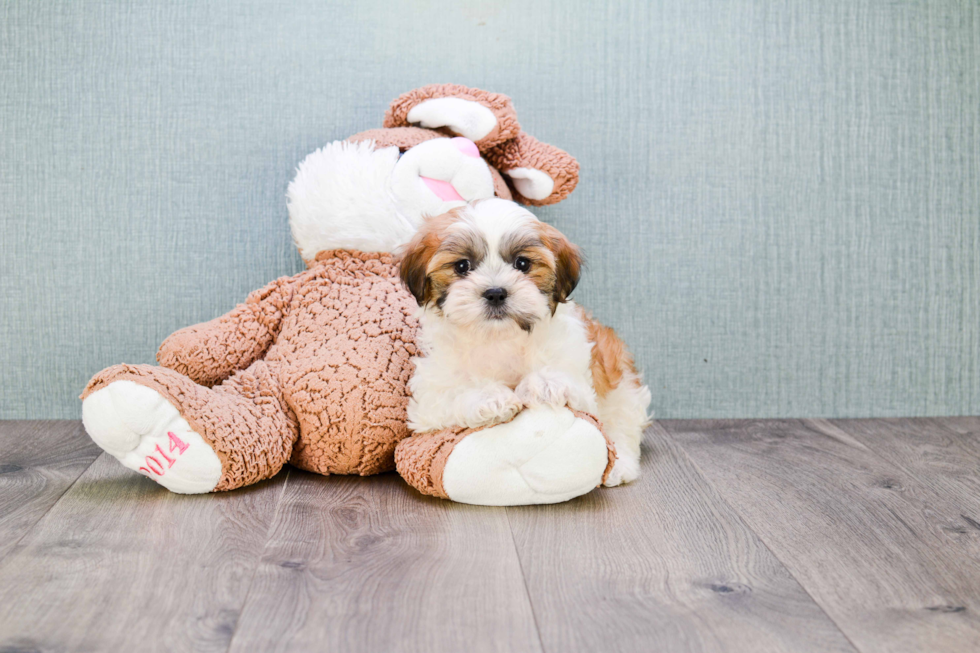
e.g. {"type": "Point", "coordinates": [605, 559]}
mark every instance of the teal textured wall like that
{"type": "Point", "coordinates": [780, 200]}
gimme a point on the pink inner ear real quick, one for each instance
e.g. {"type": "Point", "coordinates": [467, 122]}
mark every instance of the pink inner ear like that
{"type": "Point", "coordinates": [443, 189]}
{"type": "Point", "coordinates": [466, 146]}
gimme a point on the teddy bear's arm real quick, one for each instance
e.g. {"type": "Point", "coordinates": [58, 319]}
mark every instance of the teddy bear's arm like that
{"type": "Point", "coordinates": [485, 118]}
{"type": "Point", "coordinates": [210, 352]}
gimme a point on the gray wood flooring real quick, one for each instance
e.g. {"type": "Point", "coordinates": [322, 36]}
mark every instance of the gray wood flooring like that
{"type": "Point", "coordinates": [780, 535]}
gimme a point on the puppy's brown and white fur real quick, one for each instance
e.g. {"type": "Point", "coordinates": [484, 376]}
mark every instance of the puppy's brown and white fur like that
{"type": "Point", "coordinates": [498, 333]}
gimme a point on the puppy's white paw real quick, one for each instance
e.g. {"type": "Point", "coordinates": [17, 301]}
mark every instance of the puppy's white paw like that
{"type": "Point", "coordinates": [556, 389]}
{"type": "Point", "coordinates": [544, 388]}
{"type": "Point", "coordinates": [491, 405]}
{"type": "Point", "coordinates": [147, 434]}
{"type": "Point", "coordinates": [625, 469]}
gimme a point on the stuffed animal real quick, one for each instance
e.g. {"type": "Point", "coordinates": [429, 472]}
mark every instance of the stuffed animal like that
{"type": "Point", "coordinates": [312, 369]}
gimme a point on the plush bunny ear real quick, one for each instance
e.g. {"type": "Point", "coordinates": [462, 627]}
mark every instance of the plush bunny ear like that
{"type": "Point", "coordinates": [485, 118]}
{"type": "Point", "coordinates": [539, 173]}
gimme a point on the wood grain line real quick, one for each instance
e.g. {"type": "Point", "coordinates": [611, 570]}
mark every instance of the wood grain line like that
{"type": "Point", "coordinates": [39, 462]}
{"type": "Point", "coordinates": [943, 455]}
{"type": "Point", "coordinates": [119, 563]}
{"type": "Point", "coordinates": [367, 564]}
{"type": "Point", "coordinates": [868, 541]}
{"type": "Point", "coordinates": [662, 563]}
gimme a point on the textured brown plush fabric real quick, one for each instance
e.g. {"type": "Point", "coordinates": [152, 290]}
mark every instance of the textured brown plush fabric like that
{"type": "Point", "coordinates": [421, 458]}
{"type": "Point", "coordinates": [403, 138]}
{"type": "Point", "coordinates": [500, 187]}
{"type": "Point", "coordinates": [327, 356]}
{"type": "Point", "coordinates": [525, 151]}
{"type": "Point", "coordinates": [208, 353]}
{"type": "Point", "coordinates": [507, 126]}
{"type": "Point", "coordinates": [349, 356]}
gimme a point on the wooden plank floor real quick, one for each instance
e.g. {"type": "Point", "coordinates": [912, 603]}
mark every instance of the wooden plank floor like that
{"type": "Point", "coordinates": [782, 535]}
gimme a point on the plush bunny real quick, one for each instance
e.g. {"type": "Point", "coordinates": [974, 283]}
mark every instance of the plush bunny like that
{"type": "Point", "coordinates": [312, 369]}
{"type": "Point", "coordinates": [374, 189]}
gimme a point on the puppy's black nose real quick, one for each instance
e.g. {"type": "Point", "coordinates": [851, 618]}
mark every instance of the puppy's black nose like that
{"type": "Point", "coordinates": [495, 296]}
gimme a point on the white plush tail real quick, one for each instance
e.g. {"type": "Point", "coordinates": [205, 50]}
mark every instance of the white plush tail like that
{"type": "Point", "coordinates": [340, 199]}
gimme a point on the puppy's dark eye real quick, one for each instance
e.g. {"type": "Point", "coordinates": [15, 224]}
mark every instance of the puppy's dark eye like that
{"type": "Point", "coordinates": [462, 267]}
{"type": "Point", "coordinates": [523, 264]}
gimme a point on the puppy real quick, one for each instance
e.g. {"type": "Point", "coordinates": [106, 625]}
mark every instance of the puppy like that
{"type": "Point", "coordinates": [498, 332]}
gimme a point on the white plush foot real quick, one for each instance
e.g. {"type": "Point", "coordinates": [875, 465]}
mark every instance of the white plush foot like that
{"type": "Point", "coordinates": [544, 455]}
{"type": "Point", "coordinates": [147, 434]}
{"type": "Point", "coordinates": [625, 469]}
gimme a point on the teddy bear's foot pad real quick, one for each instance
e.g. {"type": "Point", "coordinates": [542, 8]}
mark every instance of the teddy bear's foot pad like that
{"type": "Point", "coordinates": [544, 455]}
{"type": "Point", "coordinates": [147, 434]}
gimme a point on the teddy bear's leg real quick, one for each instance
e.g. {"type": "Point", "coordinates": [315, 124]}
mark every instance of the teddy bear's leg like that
{"type": "Point", "coordinates": [544, 455]}
{"type": "Point", "coordinates": [186, 437]}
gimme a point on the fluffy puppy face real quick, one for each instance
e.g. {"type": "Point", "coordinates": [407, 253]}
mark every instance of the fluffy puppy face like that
{"type": "Point", "coordinates": [490, 265]}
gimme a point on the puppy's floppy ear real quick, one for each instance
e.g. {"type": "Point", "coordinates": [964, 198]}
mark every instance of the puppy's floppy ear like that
{"type": "Point", "coordinates": [568, 261]}
{"type": "Point", "coordinates": [416, 255]}
{"type": "Point", "coordinates": [414, 262]}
